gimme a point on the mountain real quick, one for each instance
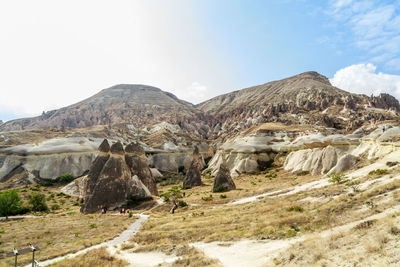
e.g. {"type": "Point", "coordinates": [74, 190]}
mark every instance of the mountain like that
{"type": "Point", "coordinates": [135, 104]}
{"type": "Point", "coordinates": [305, 98]}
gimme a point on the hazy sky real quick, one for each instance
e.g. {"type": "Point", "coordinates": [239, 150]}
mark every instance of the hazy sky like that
{"type": "Point", "coordinates": [55, 53]}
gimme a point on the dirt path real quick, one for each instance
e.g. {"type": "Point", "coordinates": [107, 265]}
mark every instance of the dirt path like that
{"type": "Point", "coordinates": [260, 253]}
{"type": "Point", "coordinates": [123, 237]}
{"type": "Point", "coordinates": [283, 192]}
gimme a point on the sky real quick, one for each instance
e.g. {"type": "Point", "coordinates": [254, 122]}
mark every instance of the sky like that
{"type": "Point", "coordinates": [56, 53]}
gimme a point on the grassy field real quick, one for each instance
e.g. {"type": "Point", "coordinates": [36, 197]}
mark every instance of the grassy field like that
{"type": "Point", "coordinates": [269, 218]}
{"type": "Point", "coordinates": [59, 232]}
{"type": "Point", "coordinates": [95, 257]}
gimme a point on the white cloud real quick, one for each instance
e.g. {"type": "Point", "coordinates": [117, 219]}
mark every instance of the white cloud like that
{"type": "Point", "coordinates": [363, 79]}
{"type": "Point", "coordinates": [196, 93]}
{"type": "Point", "coordinates": [375, 26]}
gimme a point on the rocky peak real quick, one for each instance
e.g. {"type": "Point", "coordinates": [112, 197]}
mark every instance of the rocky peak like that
{"type": "Point", "coordinates": [117, 148]}
{"type": "Point", "coordinates": [104, 146]}
{"type": "Point", "coordinates": [134, 148]}
{"type": "Point", "coordinates": [312, 75]}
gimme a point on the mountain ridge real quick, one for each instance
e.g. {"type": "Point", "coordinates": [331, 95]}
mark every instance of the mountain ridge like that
{"type": "Point", "coordinates": [289, 100]}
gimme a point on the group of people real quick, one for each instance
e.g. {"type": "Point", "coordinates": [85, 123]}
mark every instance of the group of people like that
{"type": "Point", "coordinates": [121, 211]}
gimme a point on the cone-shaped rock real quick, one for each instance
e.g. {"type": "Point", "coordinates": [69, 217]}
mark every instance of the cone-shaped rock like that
{"type": "Point", "coordinates": [104, 146]}
{"type": "Point", "coordinates": [193, 177]}
{"type": "Point", "coordinates": [96, 167]}
{"type": "Point", "coordinates": [113, 184]}
{"type": "Point", "coordinates": [117, 148]}
{"type": "Point", "coordinates": [223, 180]}
{"type": "Point", "coordinates": [136, 160]}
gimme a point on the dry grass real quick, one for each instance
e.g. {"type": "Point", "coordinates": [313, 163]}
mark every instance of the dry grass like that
{"type": "Point", "coordinates": [194, 258]}
{"type": "Point", "coordinates": [247, 185]}
{"type": "Point", "coordinates": [95, 257]}
{"type": "Point", "coordinates": [58, 235]}
{"type": "Point", "coordinates": [375, 245]}
{"type": "Point", "coordinates": [269, 218]}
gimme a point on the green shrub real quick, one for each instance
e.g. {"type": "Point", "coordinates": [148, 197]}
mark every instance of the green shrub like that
{"type": "Point", "coordinates": [10, 203]}
{"type": "Point", "coordinates": [209, 198]}
{"type": "Point", "coordinates": [181, 169]}
{"type": "Point", "coordinates": [182, 203]}
{"type": "Point", "coordinates": [93, 225]}
{"type": "Point", "coordinates": [378, 172]}
{"type": "Point", "coordinates": [66, 178]}
{"type": "Point", "coordinates": [38, 202]}
{"type": "Point", "coordinates": [220, 188]}
{"type": "Point", "coordinates": [264, 165]}
{"type": "Point", "coordinates": [55, 207]}
{"type": "Point", "coordinates": [271, 176]}
{"type": "Point", "coordinates": [336, 177]}
{"type": "Point", "coordinates": [222, 196]}
{"type": "Point", "coordinates": [130, 214]}
{"type": "Point", "coordinates": [295, 208]}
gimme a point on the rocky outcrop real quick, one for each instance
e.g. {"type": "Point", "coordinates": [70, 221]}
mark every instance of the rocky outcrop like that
{"type": "Point", "coordinates": [155, 173]}
{"type": "Point", "coordinates": [316, 161]}
{"type": "Point", "coordinates": [136, 160]}
{"type": "Point", "coordinates": [223, 180]}
{"type": "Point", "coordinates": [193, 176]}
{"type": "Point", "coordinates": [112, 184]}
{"type": "Point", "coordinates": [346, 162]}
{"type": "Point", "coordinates": [51, 158]}
{"type": "Point", "coordinates": [76, 188]}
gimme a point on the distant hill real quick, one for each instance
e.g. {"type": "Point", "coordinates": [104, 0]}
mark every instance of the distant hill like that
{"type": "Point", "coordinates": [305, 98]}
{"type": "Point", "coordinates": [135, 104]}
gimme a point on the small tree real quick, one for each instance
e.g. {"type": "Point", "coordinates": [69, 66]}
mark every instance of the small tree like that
{"type": "Point", "coordinates": [66, 178]}
{"type": "Point", "coordinates": [10, 203]}
{"type": "Point", "coordinates": [38, 202]}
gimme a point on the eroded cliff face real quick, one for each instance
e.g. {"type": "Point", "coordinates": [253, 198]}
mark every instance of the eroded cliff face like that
{"type": "Point", "coordinates": [309, 149]}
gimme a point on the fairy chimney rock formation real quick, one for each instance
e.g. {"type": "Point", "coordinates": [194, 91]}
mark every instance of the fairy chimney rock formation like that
{"type": "Point", "coordinates": [193, 177]}
{"type": "Point", "coordinates": [135, 158]}
{"type": "Point", "coordinates": [110, 181]}
{"type": "Point", "coordinates": [223, 180]}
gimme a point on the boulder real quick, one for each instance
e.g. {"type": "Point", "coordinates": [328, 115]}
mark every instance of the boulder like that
{"type": "Point", "coordinates": [135, 158]}
{"type": "Point", "coordinates": [155, 173]}
{"type": "Point", "coordinates": [193, 177]}
{"type": "Point", "coordinates": [223, 179]}
{"type": "Point", "coordinates": [110, 184]}
{"type": "Point", "coordinates": [76, 187]}
{"type": "Point", "coordinates": [346, 162]}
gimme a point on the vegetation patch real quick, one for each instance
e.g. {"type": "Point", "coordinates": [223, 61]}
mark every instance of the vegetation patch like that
{"type": "Point", "coordinates": [378, 172]}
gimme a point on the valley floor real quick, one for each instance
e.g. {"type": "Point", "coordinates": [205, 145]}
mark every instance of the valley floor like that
{"type": "Point", "coordinates": [273, 219]}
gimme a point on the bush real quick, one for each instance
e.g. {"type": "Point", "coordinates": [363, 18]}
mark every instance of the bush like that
{"type": "Point", "coordinates": [10, 203]}
{"type": "Point", "coordinates": [181, 169]}
{"type": "Point", "coordinates": [220, 188]}
{"type": "Point", "coordinates": [207, 198]}
{"type": "Point", "coordinates": [222, 196]}
{"type": "Point", "coordinates": [264, 165]}
{"type": "Point", "coordinates": [66, 178]}
{"type": "Point", "coordinates": [182, 203]}
{"type": "Point", "coordinates": [295, 208]}
{"type": "Point", "coordinates": [38, 202]}
{"type": "Point", "coordinates": [55, 207]}
{"type": "Point", "coordinates": [378, 172]}
{"type": "Point", "coordinates": [336, 178]}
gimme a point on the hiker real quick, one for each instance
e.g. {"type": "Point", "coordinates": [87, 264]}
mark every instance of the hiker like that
{"type": "Point", "coordinates": [122, 211]}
